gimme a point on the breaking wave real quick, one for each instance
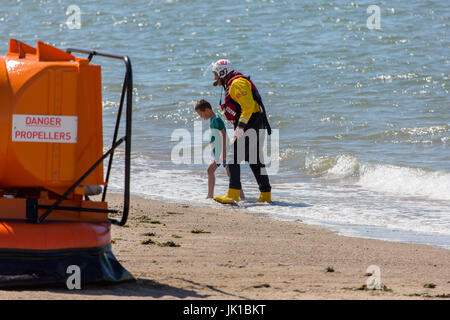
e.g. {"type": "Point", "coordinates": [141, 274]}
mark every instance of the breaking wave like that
{"type": "Point", "coordinates": [381, 177]}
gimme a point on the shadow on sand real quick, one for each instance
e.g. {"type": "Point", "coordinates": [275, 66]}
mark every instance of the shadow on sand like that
{"type": "Point", "coordinates": [141, 288]}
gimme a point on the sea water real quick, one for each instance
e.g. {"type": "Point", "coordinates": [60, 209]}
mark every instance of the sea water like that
{"type": "Point", "coordinates": [359, 99]}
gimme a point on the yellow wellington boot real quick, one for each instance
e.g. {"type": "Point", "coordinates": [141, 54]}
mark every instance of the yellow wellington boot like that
{"type": "Point", "coordinates": [231, 197]}
{"type": "Point", "coordinates": [265, 197]}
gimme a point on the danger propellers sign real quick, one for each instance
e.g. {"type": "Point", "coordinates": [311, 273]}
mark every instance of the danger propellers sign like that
{"type": "Point", "coordinates": [44, 128]}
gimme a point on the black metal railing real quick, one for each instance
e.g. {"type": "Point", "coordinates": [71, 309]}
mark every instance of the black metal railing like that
{"type": "Point", "coordinates": [127, 90]}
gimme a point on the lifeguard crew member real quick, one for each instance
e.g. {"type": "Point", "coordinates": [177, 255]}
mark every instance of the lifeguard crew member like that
{"type": "Point", "coordinates": [244, 108]}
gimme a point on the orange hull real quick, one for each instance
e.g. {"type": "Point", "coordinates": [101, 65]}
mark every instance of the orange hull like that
{"type": "Point", "coordinates": [53, 235]}
{"type": "Point", "coordinates": [51, 147]}
{"type": "Point", "coordinates": [42, 254]}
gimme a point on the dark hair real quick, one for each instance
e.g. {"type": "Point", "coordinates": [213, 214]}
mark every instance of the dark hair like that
{"type": "Point", "coordinates": [202, 105]}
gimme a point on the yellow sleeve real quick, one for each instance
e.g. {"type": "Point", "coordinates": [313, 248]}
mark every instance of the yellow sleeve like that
{"type": "Point", "coordinates": [241, 92]}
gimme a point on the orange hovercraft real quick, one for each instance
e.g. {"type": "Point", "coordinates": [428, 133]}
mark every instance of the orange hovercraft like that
{"type": "Point", "coordinates": [51, 161]}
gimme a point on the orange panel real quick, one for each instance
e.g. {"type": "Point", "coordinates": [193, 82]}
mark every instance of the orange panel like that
{"type": "Point", "coordinates": [51, 118]}
{"type": "Point", "coordinates": [53, 235]}
{"type": "Point", "coordinates": [16, 209]}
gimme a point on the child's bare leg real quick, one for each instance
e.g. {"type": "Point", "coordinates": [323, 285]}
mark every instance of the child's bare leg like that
{"type": "Point", "coordinates": [211, 179]}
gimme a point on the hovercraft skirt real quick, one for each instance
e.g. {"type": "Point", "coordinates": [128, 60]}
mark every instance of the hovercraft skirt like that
{"type": "Point", "coordinates": [48, 261]}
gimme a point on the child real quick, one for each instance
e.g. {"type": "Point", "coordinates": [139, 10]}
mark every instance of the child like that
{"type": "Point", "coordinates": [205, 111]}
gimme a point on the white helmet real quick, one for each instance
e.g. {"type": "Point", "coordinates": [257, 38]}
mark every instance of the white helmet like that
{"type": "Point", "coordinates": [222, 67]}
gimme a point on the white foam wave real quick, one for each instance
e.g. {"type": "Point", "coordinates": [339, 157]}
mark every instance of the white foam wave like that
{"type": "Point", "coordinates": [379, 177]}
{"type": "Point", "coordinates": [332, 167]}
{"type": "Point", "coordinates": [345, 166]}
{"type": "Point", "coordinates": [405, 181]}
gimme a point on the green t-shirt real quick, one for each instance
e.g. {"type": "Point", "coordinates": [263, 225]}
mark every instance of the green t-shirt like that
{"type": "Point", "coordinates": [216, 123]}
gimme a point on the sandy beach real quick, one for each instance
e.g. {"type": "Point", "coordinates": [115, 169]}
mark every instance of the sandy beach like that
{"type": "Point", "coordinates": [180, 251]}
